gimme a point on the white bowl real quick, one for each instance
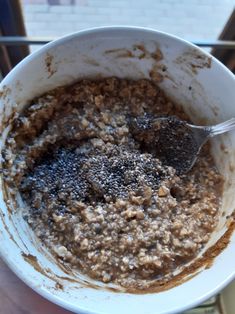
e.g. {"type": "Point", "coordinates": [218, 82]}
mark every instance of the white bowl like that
{"type": "Point", "coordinates": [202, 85]}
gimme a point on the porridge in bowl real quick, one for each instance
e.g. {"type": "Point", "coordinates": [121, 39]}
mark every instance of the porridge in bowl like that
{"type": "Point", "coordinates": [98, 198]}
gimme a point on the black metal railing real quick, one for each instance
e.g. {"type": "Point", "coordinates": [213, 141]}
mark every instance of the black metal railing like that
{"type": "Point", "coordinates": [22, 40]}
{"type": "Point", "coordinates": [12, 42]}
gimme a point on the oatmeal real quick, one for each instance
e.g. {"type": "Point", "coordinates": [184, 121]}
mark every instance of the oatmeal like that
{"type": "Point", "coordinates": [97, 197]}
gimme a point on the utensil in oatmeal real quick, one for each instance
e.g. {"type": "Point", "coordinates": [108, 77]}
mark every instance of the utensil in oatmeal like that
{"type": "Point", "coordinates": [175, 142]}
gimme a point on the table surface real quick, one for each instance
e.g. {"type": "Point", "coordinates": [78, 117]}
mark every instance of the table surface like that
{"type": "Point", "coordinates": [17, 298]}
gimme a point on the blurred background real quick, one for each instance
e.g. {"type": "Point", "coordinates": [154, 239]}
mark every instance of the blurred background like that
{"type": "Point", "coordinates": [189, 19]}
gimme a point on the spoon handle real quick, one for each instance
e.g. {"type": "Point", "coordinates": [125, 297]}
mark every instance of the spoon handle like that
{"type": "Point", "coordinates": [222, 127]}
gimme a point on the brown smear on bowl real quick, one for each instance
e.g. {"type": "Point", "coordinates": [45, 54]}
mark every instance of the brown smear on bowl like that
{"type": "Point", "coordinates": [215, 110]}
{"type": "Point", "coordinates": [50, 64]}
{"type": "Point", "coordinates": [4, 97]}
{"type": "Point", "coordinates": [138, 51]}
{"type": "Point", "coordinates": [158, 71]}
{"type": "Point", "coordinates": [223, 148]}
{"type": "Point", "coordinates": [59, 286]}
{"type": "Point", "coordinates": [120, 53]}
{"type": "Point", "coordinates": [2, 217]}
{"type": "Point", "coordinates": [157, 55]}
{"type": "Point", "coordinates": [156, 75]}
{"type": "Point", "coordinates": [144, 52]}
{"type": "Point", "coordinates": [194, 60]}
{"type": "Point", "coordinates": [231, 167]}
{"type": "Point", "coordinates": [33, 261]}
{"type": "Point", "coordinates": [9, 198]}
{"type": "Point", "coordinates": [90, 61]}
{"type": "Point", "coordinates": [60, 280]}
{"type": "Point", "coordinates": [4, 92]}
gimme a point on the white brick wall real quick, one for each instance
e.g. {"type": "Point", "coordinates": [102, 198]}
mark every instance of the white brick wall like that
{"type": "Point", "coordinates": [39, 8]}
{"type": "Point", "coordinates": [192, 19]}
{"type": "Point", "coordinates": [60, 9]}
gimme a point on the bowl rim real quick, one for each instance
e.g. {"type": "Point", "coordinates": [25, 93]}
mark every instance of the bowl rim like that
{"type": "Point", "coordinates": [46, 293]}
{"type": "Point", "coordinates": [106, 29]}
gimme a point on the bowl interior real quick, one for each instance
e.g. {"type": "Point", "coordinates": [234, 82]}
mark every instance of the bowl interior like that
{"type": "Point", "coordinates": [190, 77]}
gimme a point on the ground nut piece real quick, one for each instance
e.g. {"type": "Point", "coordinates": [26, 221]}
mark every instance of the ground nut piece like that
{"type": "Point", "coordinates": [188, 244]}
{"type": "Point", "coordinates": [101, 125]}
{"type": "Point", "coordinates": [106, 117]}
{"type": "Point", "coordinates": [157, 263]}
{"type": "Point", "coordinates": [166, 238]}
{"type": "Point", "coordinates": [147, 194]}
{"type": "Point", "coordinates": [99, 101]}
{"type": "Point", "coordinates": [183, 232]}
{"type": "Point", "coordinates": [163, 191]}
{"type": "Point", "coordinates": [137, 200]}
{"type": "Point", "coordinates": [85, 123]}
{"type": "Point", "coordinates": [88, 214]}
{"type": "Point", "coordinates": [57, 218]}
{"type": "Point", "coordinates": [129, 213]}
{"type": "Point", "coordinates": [79, 205]}
{"type": "Point", "coordinates": [176, 242]}
{"type": "Point", "coordinates": [77, 235]}
{"type": "Point", "coordinates": [120, 203]}
{"type": "Point", "coordinates": [106, 277]}
{"type": "Point", "coordinates": [63, 252]}
{"type": "Point", "coordinates": [84, 244]}
{"type": "Point", "coordinates": [139, 215]}
{"type": "Point", "coordinates": [97, 142]}
{"type": "Point", "coordinates": [177, 225]}
{"type": "Point", "coordinates": [122, 131]}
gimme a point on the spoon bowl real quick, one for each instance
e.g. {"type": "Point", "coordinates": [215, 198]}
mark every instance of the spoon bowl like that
{"type": "Point", "coordinates": [175, 142]}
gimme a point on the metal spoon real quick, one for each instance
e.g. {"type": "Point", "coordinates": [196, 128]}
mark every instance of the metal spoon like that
{"type": "Point", "coordinates": [175, 142]}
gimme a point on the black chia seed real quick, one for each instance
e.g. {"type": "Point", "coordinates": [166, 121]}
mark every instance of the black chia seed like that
{"type": "Point", "coordinates": [66, 175]}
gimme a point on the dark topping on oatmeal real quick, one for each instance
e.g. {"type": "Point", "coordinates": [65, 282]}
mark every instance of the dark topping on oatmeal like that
{"type": "Point", "coordinates": [86, 174]}
{"type": "Point", "coordinates": [96, 194]}
{"type": "Point", "coordinates": [167, 138]}
{"type": "Point", "coordinates": [123, 172]}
